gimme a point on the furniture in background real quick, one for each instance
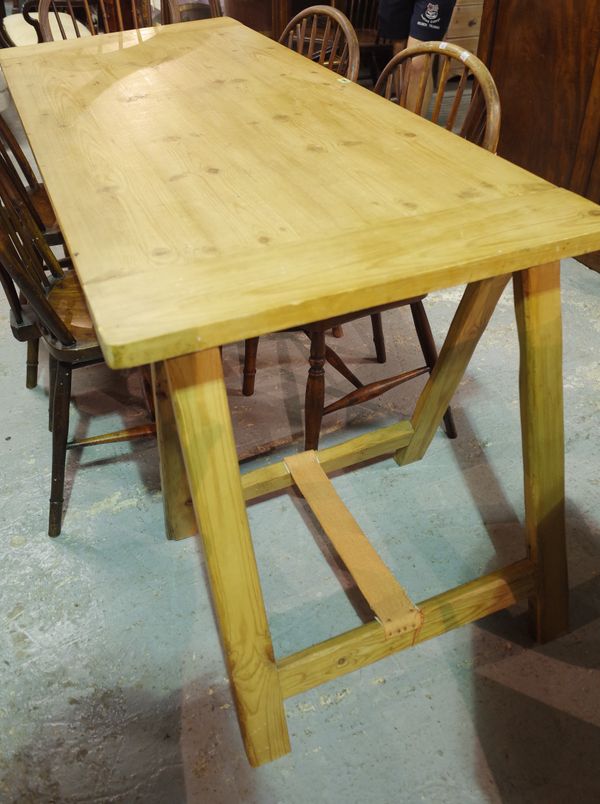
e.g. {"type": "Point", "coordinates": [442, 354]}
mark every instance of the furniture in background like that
{"type": "Point", "coordinates": [91, 17]}
{"type": "Point", "coordinates": [463, 30]}
{"type": "Point", "coordinates": [50, 20]}
{"type": "Point", "coordinates": [548, 77]}
{"type": "Point", "coordinates": [469, 107]}
{"type": "Point", "coordinates": [325, 36]}
{"type": "Point", "coordinates": [25, 329]}
{"type": "Point", "coordinates": [364, 16]}
{"type": "Point", "coordinates": [465, 26]}
{"type": "Point", "coordinates": [473, 113]}
{"type": "Point", "coordinates": [14, 28]}
{"type": "Point", "coordinates": [49, 301]}
{"type": "Point", "coordinates": [24, 186]}
{"type": "Point", "coordinates": [267, 16]}
{"type": "Point", "coordinates": [269, 19]}
{"type": "Point", "coordinates": [190, 10]}
{"type": "Point", "coordinates": [223, 251]}
{"type": "Point", "coordinates": [320, 354]}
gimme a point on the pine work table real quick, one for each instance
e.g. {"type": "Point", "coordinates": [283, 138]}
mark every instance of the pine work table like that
{"type": "Point", "coordinates": [211, 186]}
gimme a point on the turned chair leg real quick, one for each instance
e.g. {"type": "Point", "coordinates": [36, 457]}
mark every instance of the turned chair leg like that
{"type": "Point", "coordinates": [429, 350]}
{"type": "Point", "coordinates": [33, 349]}
{"type": "Point", "coordinates": [378, 338]}
{"type": "Point", "coordinates": [250, 352]}
{"type": "Point", "coordinates": [315, 391]}
{"type": "Point", "coordinates": [51, 388]}
{"type": "Point", "coordinates": [147, 393]}
{"type": "Point", "coordinates": [60, 431]}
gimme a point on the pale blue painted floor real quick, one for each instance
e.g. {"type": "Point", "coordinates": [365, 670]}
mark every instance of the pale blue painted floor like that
{"type": "Point", "coordinates": [112, 685]}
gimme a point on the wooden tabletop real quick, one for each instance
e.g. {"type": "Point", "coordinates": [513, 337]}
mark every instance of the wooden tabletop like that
{"type": "Point", "coordinates": [212, 185]}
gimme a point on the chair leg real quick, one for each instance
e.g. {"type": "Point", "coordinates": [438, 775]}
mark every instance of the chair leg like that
{"type": "Point", "coordinates": [315, 391]}
{"type": "Point", "coordinates": [429, 350]}
{"type": "Point", "coordinates": [250, 352]}
{"type": "Point", "coordinates": [337, 332]}
{"type": "Point", "coordinates": [51, 389]}
{"type": "Point", "coordinates": [60, 430]}
{"type": "Point", "coordinates": [378, 338]}
{"type": "Point", "coordinates": [33, 348]}
{"type": "Point", "coordinates": [147, 392]}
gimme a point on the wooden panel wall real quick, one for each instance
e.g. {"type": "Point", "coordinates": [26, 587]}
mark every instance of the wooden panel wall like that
{"type": "Point", "coordinates": [256, 15]}
{"type": "Point", "coordinates": [545, 59]}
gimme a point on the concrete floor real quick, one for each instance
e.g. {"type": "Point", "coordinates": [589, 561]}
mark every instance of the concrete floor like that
{"type": "Point", "coordinates": [112, 685]}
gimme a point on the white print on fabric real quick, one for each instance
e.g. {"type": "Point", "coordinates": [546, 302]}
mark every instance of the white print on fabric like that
{"type": "Point", "coordinates": [430, 18]}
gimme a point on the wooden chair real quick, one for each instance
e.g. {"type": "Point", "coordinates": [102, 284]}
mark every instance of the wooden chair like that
{"type": "Point", "coordinates": [478, 112]}
{"type": "Point", "coordinates": [364, 16]}
{"type": "Point", "coordinates": [56, 306]}
{"type": "Point", "coordinates": [26, 185]}
{"type": "Point", "coordinates": [465, 100]}
{"type": "Point", "coordinates": [15, 30]}
{"type": "Point", "coordinates": [324, 35]}
{"type": "Point", "coordinates": [193, 10]}
{"type": "Point", "coordinates": [22, 28]}
{"type": "Point", "coordinates": [321, 353]}
{"type": "Point", "coordinates": [23, 184]}
{"type": "Point", "coordinates": [93, 17]}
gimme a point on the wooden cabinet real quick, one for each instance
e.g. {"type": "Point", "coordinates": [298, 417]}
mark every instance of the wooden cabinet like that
{"type": "Point", "coordinates": [267, 16]}
{"type": "Point", "coordinates": [545, 59]}
{"type": "Point", "coordinates": [465, 24]}
{"type": "Point", "coordinates": [463, 30]}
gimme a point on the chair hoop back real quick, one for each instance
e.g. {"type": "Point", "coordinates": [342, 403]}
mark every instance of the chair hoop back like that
{"type": "Point", "coordinates": [11, 144]}
{"type": "Point", "coordinates": [326, 36]}
{"type": "Point", "coordinates": [73, 19]}
{"type": "Point", "coordinates": [363, 14]}
{"type": "Point", "coordinates": [28, 265]}
{"type": "Point", "coordinates": [481, 122]}
{"type": "Point", "coordinates": [15, 167]}
{"type": "Point", "coordinates": [179, 11]}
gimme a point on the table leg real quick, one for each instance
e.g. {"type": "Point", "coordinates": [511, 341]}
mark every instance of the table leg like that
{"type": "Point", "coordinates": [468, 325]}
{"type": "Point", "coordinates": [180, 521]}
{"type": "Point", "coordinates": [206, 437]}
{"type": "Point", "coordinates": [537, 306]}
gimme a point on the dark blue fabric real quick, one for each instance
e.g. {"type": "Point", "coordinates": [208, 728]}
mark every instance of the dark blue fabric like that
{"type": "Point", "coordinates": [425, 20]}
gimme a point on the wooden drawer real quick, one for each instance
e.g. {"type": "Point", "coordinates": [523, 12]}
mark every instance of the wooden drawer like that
{"type": "Point", "coordinates": [464, 27]}
{"type": "Point", "coordinates": [466, 42]}
{"type": "Point", "coordinates": [466, 20]}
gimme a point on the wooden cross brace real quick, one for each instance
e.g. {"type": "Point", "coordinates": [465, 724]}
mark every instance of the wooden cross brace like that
{"type": "Point", "coordinates": [202, 483]}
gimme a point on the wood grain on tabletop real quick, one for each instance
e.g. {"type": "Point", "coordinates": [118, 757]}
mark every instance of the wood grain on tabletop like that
{"type": "Point", "coordinates": [212, 184]}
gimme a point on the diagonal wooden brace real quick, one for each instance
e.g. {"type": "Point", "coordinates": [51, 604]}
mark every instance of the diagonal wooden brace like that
{"type": "Point", "coordinates": [468, 325]}
{"type": "Point", "coordinates": [387, 598]}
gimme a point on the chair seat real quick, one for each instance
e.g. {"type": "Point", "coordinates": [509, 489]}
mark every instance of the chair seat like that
{"type": "Point", "coordinates": [20, 32]}
{"type": "Point", "coordinates": [67, 299]}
